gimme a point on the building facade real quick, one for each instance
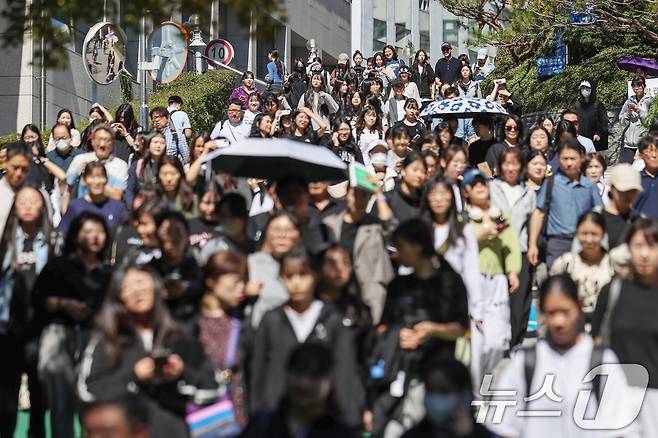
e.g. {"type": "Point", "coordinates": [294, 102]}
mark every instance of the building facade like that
{"type": "Point", "coordinates": [21, 79]}
{"type": "Point", "coordinates": [408, 25]}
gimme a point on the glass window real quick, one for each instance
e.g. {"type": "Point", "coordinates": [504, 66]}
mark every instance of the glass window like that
{"type": "Point", "coordinates": [451, 32]}
{"type": "Point", "coordinates": [402, 24]}
{"type": "Point", "coordinates": [379, 24]}
{"type": "Point", "coordinates": [424, 25]}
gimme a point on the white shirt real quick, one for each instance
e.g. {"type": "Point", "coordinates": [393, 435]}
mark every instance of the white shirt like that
{"type": "Point", "coordinates": [303, 323]}
{"type": "Point", "coordinates": [512, 193]}
{"type": "Point", "coordinates": [569, 369]}
{"type": "Point", "coordinates": [587, 144]}
{"type": "Point", "coordinates": [180, 119]}
{"type": "Point", "coordinates": [233, 133]}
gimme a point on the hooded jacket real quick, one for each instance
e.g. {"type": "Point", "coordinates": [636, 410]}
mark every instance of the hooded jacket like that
{"type": "Point", "coordinates": [592, 117]}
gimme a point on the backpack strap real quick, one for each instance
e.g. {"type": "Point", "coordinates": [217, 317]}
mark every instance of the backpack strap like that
{"type": "Point", "coordinates": [606, 323]}
{"type": "Point", "coordinates": [547, 202]}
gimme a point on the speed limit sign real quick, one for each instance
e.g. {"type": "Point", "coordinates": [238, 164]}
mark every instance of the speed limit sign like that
{"type": "Point", "coordinates": [220, 51]}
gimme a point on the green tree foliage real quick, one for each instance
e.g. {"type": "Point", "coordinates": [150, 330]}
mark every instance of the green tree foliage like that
{"type": "Point", "coordinates": [37, 16]}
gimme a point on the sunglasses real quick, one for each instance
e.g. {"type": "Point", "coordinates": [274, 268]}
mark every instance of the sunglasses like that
{"type": "Point", "coordinates": [511, 128]}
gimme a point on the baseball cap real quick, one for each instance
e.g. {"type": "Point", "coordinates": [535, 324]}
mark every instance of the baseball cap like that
{"type": "Point", "coordinates": [584, 84]}
{"type": "Point", "coordinates": [472, 176]}
{"type": "Point", "coordinates": [343, 58]}
{"type": "Point", "coordinates": [624, 177]}
{"type": "Point", "coordinates": [397, 83]}
{"type": "Point", "coordinates": [446, 46]}
{"type": "Point", "coordinates": [404, 69]}
{"type": "Point", "coordinates": [482, 54]}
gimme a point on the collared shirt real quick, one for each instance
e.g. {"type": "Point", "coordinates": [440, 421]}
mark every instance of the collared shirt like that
{"type": "Point", "coordinates": [570, 199]}
{"type": "Point", "coordinates": [647, 202]}
{"type": "Point", "coordinates": [448, 69]}
{"type": "Point", "coordinates": [117, 172]}
{"type": "Point", "coordinates": [174, 149]}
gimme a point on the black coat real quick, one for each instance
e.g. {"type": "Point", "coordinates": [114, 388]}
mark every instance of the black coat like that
{"type": "Point", "coordinates": [404, 207]}
{"type": "Point", "coordinates": [592, 118]}
{"type": "Point", "coordinates": [275, 340]}
{"type": "Point", "coordinates": [273, 425]}
{"type": "Point", "coordinates": [101, 379]}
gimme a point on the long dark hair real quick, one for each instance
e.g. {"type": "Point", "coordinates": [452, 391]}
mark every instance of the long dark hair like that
{"type": "Point", "coordinates": [416, 64]}
{"type": "Point", "coordinates": [62, 111]}
{"type": "Point", "coordinates": [279, 66]}
{"type": "Point", "coordinates": [8, 241]}
{"type": "Point", "coordinates": [394, 57]}
{"type": "Point", "coordinates": [456, 220]}
{"type": "Point", "coordinates": [255, 129]}
{"type": "Point", "coordinates": [308, 96]}
{"type": "Point", "coordinates": [205, 135]}
{"type": "Point", "coordinates": [184, 190]}
{"type": "Point", "coordinates": [126, 115]}
{"type": "Point", "coordinates": [361, 121]}
{"type": "Point", "coordinates": [145, 172]}
{"type": "Point", "coordinates": [519, 126]}
{"type": "Point", "coordinates": [34, 128]}
{"type": "Point", "coordinates": [350, 301]}
{"type": "Point", "coordinates": [71, 241]}
{"type": "Point", "coordinates": [119, 328]}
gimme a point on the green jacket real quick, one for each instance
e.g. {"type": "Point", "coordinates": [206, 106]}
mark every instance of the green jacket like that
{"type": "Point", "coordinates": [500, 254]}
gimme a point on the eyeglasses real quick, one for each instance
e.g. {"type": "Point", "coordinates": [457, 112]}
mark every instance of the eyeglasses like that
{"type": "Point", "coordinates": [509, 128]}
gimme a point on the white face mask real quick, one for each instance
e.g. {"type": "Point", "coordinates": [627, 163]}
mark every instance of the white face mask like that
{"type": "Point", "coordinates": [586, 92]}
{"type": "Point", "coordinates": [379, 159]}
{"type": "Point", "coordinates": [63, 144]}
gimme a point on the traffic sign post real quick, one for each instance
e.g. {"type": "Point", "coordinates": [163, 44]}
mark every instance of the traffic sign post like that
{"type": "Point", "coordinates": [220, 51]}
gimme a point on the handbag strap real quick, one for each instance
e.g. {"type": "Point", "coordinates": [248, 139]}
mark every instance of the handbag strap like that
{"type": "Point", "coordinates": [231, 352]}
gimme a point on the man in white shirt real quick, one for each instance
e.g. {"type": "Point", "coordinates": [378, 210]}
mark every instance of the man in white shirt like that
{"type": "Point", "coordinates": [232, 128]}
{"type": "Point", "coordinates": [179, 118]}
{"type": "Point", "coordinates": [117, 170]}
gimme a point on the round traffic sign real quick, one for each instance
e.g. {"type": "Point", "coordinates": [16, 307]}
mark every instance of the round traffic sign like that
{"type": "Point", "coordinates": [220, 51]}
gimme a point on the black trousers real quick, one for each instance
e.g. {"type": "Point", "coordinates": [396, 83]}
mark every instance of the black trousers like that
{"type": "Point", "coordinates": [10, 383]}
{"type": "Point", "coordinates": [519, 303]}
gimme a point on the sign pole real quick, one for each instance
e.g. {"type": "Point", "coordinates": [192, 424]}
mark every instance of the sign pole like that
{"type": "Point", "coordinates": [143, 99]}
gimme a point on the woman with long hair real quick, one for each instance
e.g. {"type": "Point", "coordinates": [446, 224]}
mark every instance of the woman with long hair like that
{"type": "Point", "coordinates": [242, 92]}
{"type": "Point", "coordinates": [68, 293]}
{"type": "Point", "coordinates": [65, 117]}
{"type": "Point", "coordinates": [177, 192]}
{"type": "Point", "coordinates": [276, 70]}
{"type": "Point", "coordinates": [137, 345]}
{"type": "Point", "coordinates": [354, 103]}
{"type": "Point", "coordinates": [454, 237]}
{"type": "Point", "coordinates": [423, 75]}
{"type": "Point", "coordinates": [126, 132]}
{"type": "Point", "coordinates": [26, 247]}
{"type": "Point", "coordinates": [318, 101]}
{"type": "Point", "coordinates": [393, 62]}
{"type": "Point", "coordinates": [145, 170]}
{"type": "Point", "coordinates": [368, 128]}
{"type": "Point", "coordinates": [445, 135]}
{"type": "Point", "coordinates": [510, 135]}
{"type": "Point", "coordinates": [343, 144]}
{"type": "Point", "coordinates": [466, 85]}
{"type": "Point", "coordinates": [301, 128]}
{"type": "Point", "coordinates": [200, 146]}
{"type": "Point", "coordinates": [454, 162]}
{"type": "Point", "coordinates": [43, 171]}
{"type": "Point", "coordinates": [511, 194]}
{"type": "Point", "coordinates": [262, 126]}
{"type": "Point", "coordinates": [254, 107]}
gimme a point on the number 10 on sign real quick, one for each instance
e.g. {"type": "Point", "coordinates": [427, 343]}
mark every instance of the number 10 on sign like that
{"type": "Point", "coordinates": [220, 51]}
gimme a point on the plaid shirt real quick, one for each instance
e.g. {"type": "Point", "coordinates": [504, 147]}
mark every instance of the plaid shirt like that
{"type": "Point", "coordinates": [179, 150]}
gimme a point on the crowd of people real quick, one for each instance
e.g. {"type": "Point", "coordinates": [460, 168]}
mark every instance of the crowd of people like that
{"type": "Point", "coordinates": [139, 286]}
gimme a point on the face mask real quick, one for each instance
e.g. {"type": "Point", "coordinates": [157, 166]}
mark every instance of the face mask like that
{"type": "Point", "coordinates": [300, 69]}
{"type": "Point", "coordinates": [439, 407]}
{"type": "Point", "coordinates": [379, 159]}
{"type": "Point", "coordinates": [62, 144]}
{"type": "Point", "coordinates": [586, 92]}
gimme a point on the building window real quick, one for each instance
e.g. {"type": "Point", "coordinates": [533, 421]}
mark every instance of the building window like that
{"type": "Point", "coordinates": [379, 24]}
{"type": "Point", "coordinates": [402, 24]}
{"type": "Point", "coordinates": [424, 25]}
{"type": "Point", "coordinates": [451, 32]}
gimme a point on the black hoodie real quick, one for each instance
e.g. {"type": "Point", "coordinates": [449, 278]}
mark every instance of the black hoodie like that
{"type": "Point", "coordinates": [592, 117]}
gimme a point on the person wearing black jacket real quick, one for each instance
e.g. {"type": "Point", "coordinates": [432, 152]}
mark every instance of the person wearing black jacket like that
{"type": "Point", "coordinates": [302, 320]}
{"type": "Point", "coordinates": [592, 115]}
{"type": "Point", "coordinates": [423, 75]}
{"type": "Point", "coordinates": [307, 408]}
{"type": "Point", "coordinates": [343, 144]}
{"type": "Point", "coordinates": [429, 311]}
{"type": "Point", "coordinates": [139, 349]}
{"type": "Point", "coordinates": [404, 199]}
{"type": "Point", "coordinates": [68, 293]}
{"type": "Point", "coordinates": [180, 272]}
